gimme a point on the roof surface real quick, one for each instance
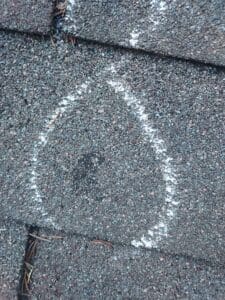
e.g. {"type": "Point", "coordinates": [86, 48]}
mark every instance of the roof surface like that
{"type": "Point", "coordinates": [112, 165]}
{"type": "Point", "coordinates": [27, 16]}
{"type": "Point", "coordinates": [192, 30]}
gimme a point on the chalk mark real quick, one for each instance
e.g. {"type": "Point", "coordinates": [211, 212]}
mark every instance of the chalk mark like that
{"type": "Point", "coordinates": [160, 230]}
{"type": "Point", "coordinates": [152, 135]}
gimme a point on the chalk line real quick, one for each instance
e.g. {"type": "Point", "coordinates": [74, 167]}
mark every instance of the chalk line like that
{"type": "Point", "coordinates": [160, 230]}
{"type": "Point", "coordinates": [69, 17]}
{"type": "Point", "coordinates": [41, 142]}
{"type": "Point", "coordinates": [152, 135]}
{"type": "Point", "coordinates": [134, 37]}
{"type": "Point", "coordinates": [156, 16]}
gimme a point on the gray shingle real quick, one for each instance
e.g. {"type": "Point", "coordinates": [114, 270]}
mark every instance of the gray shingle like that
{"type": "Point", "coordinates": [27, 16]}
{"type": "Point", "coordinates": [185, 29]}
{"type": "Point", "coordinates": [76, 268]}
{"type": "Point", "coordinates": [12, 248]}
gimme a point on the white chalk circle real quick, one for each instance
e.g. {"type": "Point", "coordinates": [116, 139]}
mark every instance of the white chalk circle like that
{"type": "Point", "coordinates": [160, 230]}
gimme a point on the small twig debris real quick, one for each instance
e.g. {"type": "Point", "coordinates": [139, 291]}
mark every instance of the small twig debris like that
{"type": "Point", "coordinates": [102, 242]}
{"type": "Point", "coordinates": [46, 238]}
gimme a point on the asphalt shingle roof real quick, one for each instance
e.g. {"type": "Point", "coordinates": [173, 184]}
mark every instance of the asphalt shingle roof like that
{"type": "Point", "coordinates": [119, 152]}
